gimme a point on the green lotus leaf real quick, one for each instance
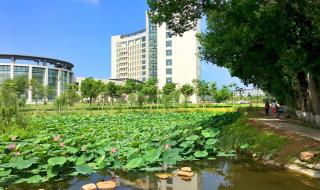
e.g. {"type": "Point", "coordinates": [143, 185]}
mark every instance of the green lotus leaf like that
{"type": "Point", "coordinates": [200, 154]}
{"type": "Point", "coordinates": [192, 138]}
{"type": "Point", "coordinates": [72, 150]}
{"type": "Point", "coordinates": [135, 163]}
{"type": "Point", "coordinates": [6, 165]}
{"type": "Point", "coordinates": [211, 141]}
{"type": "Point", "coordinates": [187, 144]}
{"type": "Point", "coordinates": [84, 169]}
{"type": "Point", "coordinates": [20, 163]}
{"type": "Point", "coordinates": [34, 179]}
{"type": "Point", "coordinates": [5, 173]}
{"type": "Point", "coordinates": [52, 171]}
{"type": "Point", "coordinates": [152, 155]}
{"type": "Point", "coordinates": [57, 161]}
{"type": "Point", "coordinates": [81, 160]}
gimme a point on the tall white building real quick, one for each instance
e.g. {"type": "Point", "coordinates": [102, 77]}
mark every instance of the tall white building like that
{"type": "Point", "coordinates": [154, 52]}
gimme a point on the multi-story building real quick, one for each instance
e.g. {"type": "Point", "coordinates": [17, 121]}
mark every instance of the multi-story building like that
{"type": "Point", "coordinates": [50, 72]}
{"type": "Point", "coordinates": [155, 52]}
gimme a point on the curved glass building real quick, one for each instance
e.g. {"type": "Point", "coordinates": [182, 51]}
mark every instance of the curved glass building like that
{"type": "Point", "coordinates": [52, 73]}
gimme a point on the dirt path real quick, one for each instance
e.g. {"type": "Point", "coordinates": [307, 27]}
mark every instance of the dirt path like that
{"type": "Point", "coordinates": [287, 125]}
{"type": "Point", "coordinates": [298, 137]}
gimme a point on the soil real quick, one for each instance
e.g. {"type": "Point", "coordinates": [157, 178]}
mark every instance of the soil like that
{"type": "Point", "coordinates": [295, 143]}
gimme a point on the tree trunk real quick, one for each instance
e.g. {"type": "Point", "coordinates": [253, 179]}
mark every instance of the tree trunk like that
{"type": "Point", "coordinates": [314, 94]}
{"type": "Point", "coordinates": [303, 92]}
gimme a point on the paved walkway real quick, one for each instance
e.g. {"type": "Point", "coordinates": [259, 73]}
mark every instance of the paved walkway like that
{"type": "Point", "coordinates": [280, 123]}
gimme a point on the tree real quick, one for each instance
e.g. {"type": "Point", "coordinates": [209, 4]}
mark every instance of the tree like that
{"type": "Point", "coordinates": [187, 90]}
{"type": "Point", "coordinates": [71, 95]}
{"type": "Point", "coordinates": [90, 88]}
{"type": "Point", "coordinates": [168, 91]}
{"type": "Point", "coordinates": [150, 89]}
{"type": "Point", "coordinates": [8, 103]}
{"type": "Point", "coordinates": [213, 89]}
{"type": "Point", "coordinates": [112, 91]}
{"type": "Point", "coordinates": [68, 98]}
{"type": "Point", "coordinates": [37, 90]}
{"type": "Point", "coordinates": [130, 89]}
{"type": "Point", "coordinates": [201, 89]}
{"type": "Point", "coordinates": [222, 94]}
{"type": "Point", "coordinates": [271, 44]}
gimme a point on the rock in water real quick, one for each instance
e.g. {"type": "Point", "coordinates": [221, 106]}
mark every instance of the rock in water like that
{"type": "Point", "coordinates": [106, 185]}
{"type": "Point", "coordinates": [299, 169]}
{"type": "Point", "coordinates": [308, 155]}
{"type": "Point", "coordinates": [89, 186]}
{"type": "Point", "coordinates": [162, 176]}
{"type": "Point", "coordinates": [186, 169]}
{"type": "Point", "coordinates": [186, 174]}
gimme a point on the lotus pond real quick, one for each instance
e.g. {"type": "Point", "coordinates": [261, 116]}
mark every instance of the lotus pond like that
{"type": "Point", "coordinates": [74, 145]}
{"type": "Point", "coordinates": [220, 174]}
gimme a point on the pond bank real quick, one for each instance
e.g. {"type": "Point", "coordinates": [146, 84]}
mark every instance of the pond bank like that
{"type": "Point", "coordinates": [299, 139]}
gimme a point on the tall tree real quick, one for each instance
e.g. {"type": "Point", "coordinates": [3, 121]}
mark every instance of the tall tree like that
{"type": "Point", "coordinates": [201, 89]}
{"type": "Point", "coordinates": [187, 90]}
{"type": "Point", "coordinates": [90, 88]}
{"type": "Point", "coordinates": [150, 89]}
{"type": "Point", "coordinates": [112, 91]}
{"type": "Point", "coordinates": [222, 94]}
{"type": "Point", "coordinates": [168, 91]}
{"type": "Point", "coordinates": [37, 91]}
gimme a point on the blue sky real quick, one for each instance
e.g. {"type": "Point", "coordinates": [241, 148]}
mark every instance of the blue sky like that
{"type": "Point", "coordinates": [78, 31]}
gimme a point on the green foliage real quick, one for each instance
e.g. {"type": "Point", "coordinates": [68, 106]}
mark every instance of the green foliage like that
{"type": "Point", "coordinates": [150, 89]}
{"type": "Point", "coordinates": [113, 90]}
{"type": "Point", "coordinates": [84, 169]}
{"type": "Point", "coordinates": [201, 88]}
{"type": "Point", "coordinates": [272, 44]}
{"type": "Point", "coordinates": [12, 98]}
{"type": "Point", "coordinates": [82, 144]}
{"type": "Point", "coordinates": [222, 94]}
{"type": "Point", "coordinates": [243, 136]}
{"type": "Point", "coordinates": [90, 88]}
{"type": "Point", "coordinates": [187, 90]}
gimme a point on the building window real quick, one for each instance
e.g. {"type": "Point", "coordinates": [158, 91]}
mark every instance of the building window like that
{"type": "Point", "coordinates": [169, 80]}
{"type": "Point", "coordinates": [143, 50]}
{"type": "Point", "coordinates": [169, 43]}
{"type": "Point", "coordinates": [21, 71]}
{"type": "Point", "coordinates": [38, 74]}
{"type": "Point", "coordinates": [169, 71]}
{"type": "Point", "coordinates": [4, 72]}
{"type": "Point", "coordinates": [52, 83]}
{"type": "Point", "coordinates": [143, 39]}
{"type": "Point", "coordinates": [143, 73]}
{"type": "Point", "coordinates": [143, 67]}
{"type": "Point", "coordinates": [143, 62]}
{"type": "Point", "coordinates": [143, 45]}
{"type": "Point", "coordinates": [168, 52]}
{"type": "Point", "coordinates": [143, 56]}
{"type": "Point", "coordinates": [169, 62]}
{"type": "Point", "coordinates": [168, 34]}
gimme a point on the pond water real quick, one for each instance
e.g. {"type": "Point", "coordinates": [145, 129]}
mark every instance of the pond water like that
{"type": "Point", "coordinates": [209, 175]}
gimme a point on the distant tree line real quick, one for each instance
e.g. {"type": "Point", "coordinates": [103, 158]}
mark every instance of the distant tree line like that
{"type": "Point", "coordinates": [139, 93]}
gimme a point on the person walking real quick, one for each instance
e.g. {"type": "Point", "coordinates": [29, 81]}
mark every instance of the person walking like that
{"type": "Point", "coordinates": [267, 108]}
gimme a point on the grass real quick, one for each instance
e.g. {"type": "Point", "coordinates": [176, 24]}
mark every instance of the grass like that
{"type": "Point", "coordinates": [241, 133]}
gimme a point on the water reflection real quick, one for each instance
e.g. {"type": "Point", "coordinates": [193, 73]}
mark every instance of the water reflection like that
{"type": "Point", "coordinates": [217, 175]}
